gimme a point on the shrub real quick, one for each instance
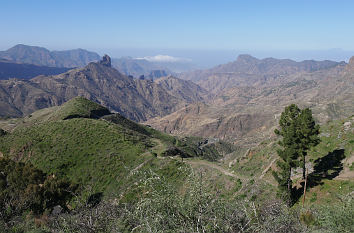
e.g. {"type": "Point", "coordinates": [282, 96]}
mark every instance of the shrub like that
{"type": "Point", "coordinates": [337, 217]}
{"type": "Point", "coordinates": [23, 188]}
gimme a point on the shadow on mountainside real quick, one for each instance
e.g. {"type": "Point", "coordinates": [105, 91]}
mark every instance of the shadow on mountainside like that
{"type": "Point", "coordinates": [327, 167]}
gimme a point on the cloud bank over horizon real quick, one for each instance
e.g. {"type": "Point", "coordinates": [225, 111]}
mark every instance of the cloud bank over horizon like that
{"type": "Point", "coordinates": [164, 58]}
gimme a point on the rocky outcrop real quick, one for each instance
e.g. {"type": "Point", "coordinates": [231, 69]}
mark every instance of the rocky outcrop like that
{"type": "Point", "coordinates": [106, 61]}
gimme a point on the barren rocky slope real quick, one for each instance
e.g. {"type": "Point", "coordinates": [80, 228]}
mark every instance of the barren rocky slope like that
{"type": "Point", "coordinates": [247, 112]}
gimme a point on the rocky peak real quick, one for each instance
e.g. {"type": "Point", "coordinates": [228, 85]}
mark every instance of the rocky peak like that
{"type": "Point", "coordinates": [106, 61]}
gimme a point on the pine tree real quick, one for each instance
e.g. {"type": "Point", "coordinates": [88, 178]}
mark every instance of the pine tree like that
{"type": "Point", "coordinates": [299, 133]}
{"type": "Point", "coordinates": [289, 152]}
{"type": "Point", "coordinates": [308, 132]}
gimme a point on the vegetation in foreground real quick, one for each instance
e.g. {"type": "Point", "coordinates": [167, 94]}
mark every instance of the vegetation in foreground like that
{"type": "Point", "coordinates": [162, 209]}
{"type": "Point", "coordinates": [113, 175]}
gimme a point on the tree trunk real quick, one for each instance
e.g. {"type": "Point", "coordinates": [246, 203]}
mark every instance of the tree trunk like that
{"type": "Point", "coordinates": [303, 165]}
{"type": "Point", "coordinates": [289, 189]}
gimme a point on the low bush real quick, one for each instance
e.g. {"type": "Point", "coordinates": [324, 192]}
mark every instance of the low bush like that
{"type": "Point", "coordinates": [24, 188]}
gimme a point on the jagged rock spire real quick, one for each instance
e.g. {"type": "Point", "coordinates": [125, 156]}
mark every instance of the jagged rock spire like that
{"type": "Point", "coordinates": [106, 61]}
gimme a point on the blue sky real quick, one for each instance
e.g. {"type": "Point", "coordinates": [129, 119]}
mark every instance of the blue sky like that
{"type": "Point", "coordinates": [173, 25]}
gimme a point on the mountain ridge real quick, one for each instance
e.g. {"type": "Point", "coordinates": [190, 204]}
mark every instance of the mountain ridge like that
{"type": "Point", "coordinates": [246, 70]}
{"type": "Point", "coordinates": [43, 57]}
{"type": "Point", "coordinates": [136, 99]}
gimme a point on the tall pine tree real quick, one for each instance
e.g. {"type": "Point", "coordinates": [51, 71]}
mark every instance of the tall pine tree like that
{"type": "Point", "coordinates": [299, 133]}
{"type": "Point", "coordinates": [289, 153]}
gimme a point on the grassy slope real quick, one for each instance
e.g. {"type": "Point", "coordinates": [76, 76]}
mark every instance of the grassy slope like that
{"type": "Point", "coordinates": [334, 137]}
{"type": "Point", "coordinates": [109, 155]}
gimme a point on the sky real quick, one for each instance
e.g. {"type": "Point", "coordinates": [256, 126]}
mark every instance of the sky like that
{"type": "Point", "coordinates": [197, 27]}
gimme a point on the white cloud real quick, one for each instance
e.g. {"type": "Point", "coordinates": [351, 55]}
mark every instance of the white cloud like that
{"type": "Point", "coordinates": [165, 58]}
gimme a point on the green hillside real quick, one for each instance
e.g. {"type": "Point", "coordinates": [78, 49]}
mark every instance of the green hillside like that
{"type": "Point", "coordinates": [131, 175]}
{"type": "Point", "coordinates": [99, 154]}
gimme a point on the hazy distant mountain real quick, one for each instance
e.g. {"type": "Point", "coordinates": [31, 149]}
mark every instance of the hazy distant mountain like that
{"type": "Point", "coordinates": [134, 67]}
{"type": "Point", "coordinates": [133, 98]}
{"type": "Point", "coordinates": [248, 70]}
{"type": "Point", "coordinates": [43, 57]}
{"type": "Point", "coordinates": [10, 69]}
{"type": "Point", "coordinates": [271, 66]}
{"type": "Point", "coordinates": [147, 65]}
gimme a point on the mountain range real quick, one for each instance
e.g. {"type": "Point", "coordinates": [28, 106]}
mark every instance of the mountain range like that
{"type": "Point", "coordinates": [39, 56]}
{"type": "Point", "coordinates": [43, 57]}
{"type": "Point", "coordinates": [249, 95]}
{"type": "Point", "coordinates": [98, 81]}
{"type": "Point", "coordinates": [238, 101]}
{"type": "Point", "coordinates": [248, 70]}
